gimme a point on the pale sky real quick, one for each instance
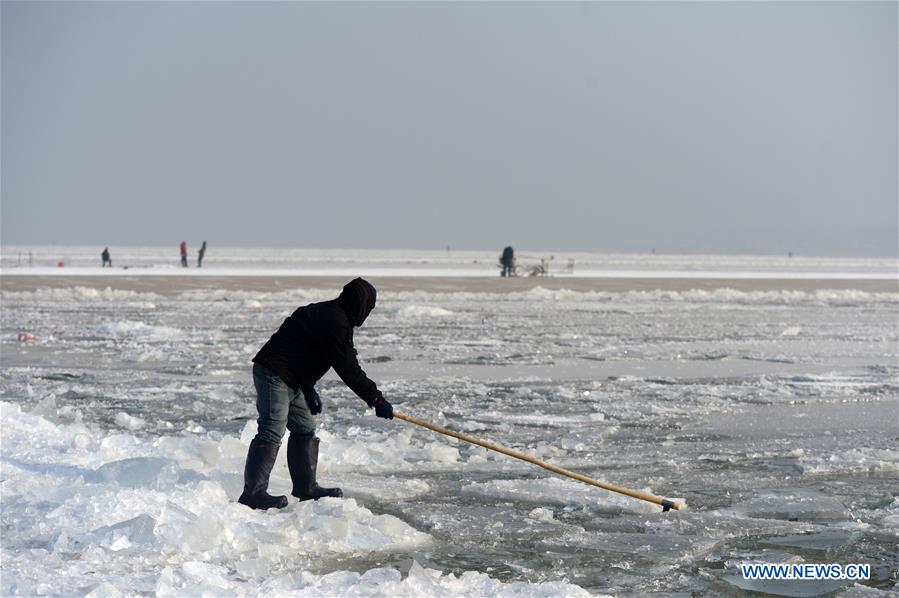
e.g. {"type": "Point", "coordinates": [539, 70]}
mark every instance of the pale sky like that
{"type": "Point", "coordinates": [714, 127]}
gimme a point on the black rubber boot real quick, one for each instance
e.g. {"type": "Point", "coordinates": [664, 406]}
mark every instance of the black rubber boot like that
{"type": "Point", "coordinates": [260, 460]}
{"type": "Point", "coordinates": [302, 461]}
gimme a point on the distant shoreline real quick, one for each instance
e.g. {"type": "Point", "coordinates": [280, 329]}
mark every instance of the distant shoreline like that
{"type": "Point", "coordinates": [165, 284]}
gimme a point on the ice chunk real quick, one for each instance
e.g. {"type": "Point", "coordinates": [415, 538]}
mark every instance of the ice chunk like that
{"type": "Point", "coordinates": [250, 568]}
{"type": "Point", "coordinates": [194, 578]}
{"type": "Point", "coordinates": [444, 453]}
{"type": "Point", "coordinates": [344, 526]}
{"type": "Point", "coordinates": [380, 576]}
{"type": "Point", "coordinates": [541, 514]}
{"type": "Point", "coordinates": [129, 422]}
{"type": "Point", "coordinates": [378, 487]}
{"type": "Point", "coordinates": [154, 472]}
{"type": "Point", "coordinates": [801, 505]}
{"type": "Point", "coordinates": [559, 491]}
{"type": "Point", "coordinates": [425, 582]}
{"type": "Point", "coordinates": [422, 311]}
{"type": "Point", "coordinates": [105, 590]}
{"type": "Point", "coordinates": [374, 450]}
{"type": "Point", "coordinates": [47, 408]}
{"type": "Point", "coordinates": [855, 460]}
{"type": "Point", "coordinates": [139, 330]}
{"type": "Point", "coordinates": [138, 530]}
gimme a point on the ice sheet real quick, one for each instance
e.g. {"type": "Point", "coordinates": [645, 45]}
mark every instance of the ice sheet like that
{"type": "Point", "coordinates": [125, 426]}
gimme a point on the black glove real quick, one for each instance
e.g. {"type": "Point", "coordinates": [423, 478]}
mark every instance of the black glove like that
{"type": "Point", "coordinates": [313, 401]}
{"type": "Point", "coordinates": [384, 409]}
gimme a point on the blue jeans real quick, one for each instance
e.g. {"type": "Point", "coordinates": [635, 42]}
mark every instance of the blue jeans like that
{"type": "Point", "coordinates": [280, 407]}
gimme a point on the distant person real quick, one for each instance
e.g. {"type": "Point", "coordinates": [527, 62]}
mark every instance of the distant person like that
{"type": "Point", "coordinates": [507, 261]}
{"type": "Point", "coordinates": [200, 255]}
{"type": "Point", "coordinates": [106, 259]}
{"type": "Point", "coordinates": [184, 254]}
{"type": "Point", "coordinates": [312, 340]}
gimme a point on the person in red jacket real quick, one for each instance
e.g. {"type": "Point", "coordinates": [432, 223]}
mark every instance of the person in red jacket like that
{"type": "Point", "coordinates": [184, 254]}
{"type": "Point", "coordinates": [312, 340]}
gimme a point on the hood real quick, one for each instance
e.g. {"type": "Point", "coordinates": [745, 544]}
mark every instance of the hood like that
{"type": "Point", "coordinates": [358, 299]}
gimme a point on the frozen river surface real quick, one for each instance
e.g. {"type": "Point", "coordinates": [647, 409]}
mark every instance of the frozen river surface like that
{"type": "Point", "coordinates": [774, 415]}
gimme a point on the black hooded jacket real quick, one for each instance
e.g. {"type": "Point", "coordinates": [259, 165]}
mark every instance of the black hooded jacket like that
{"type": "Point", "coordinates": [319, 336]}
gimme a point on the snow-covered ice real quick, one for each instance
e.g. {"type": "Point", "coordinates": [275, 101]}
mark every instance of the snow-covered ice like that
{"type": "Point", "coordinates": [250, 261]}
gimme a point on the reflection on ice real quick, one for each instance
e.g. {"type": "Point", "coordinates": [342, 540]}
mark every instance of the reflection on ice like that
{"type": "Point", "coordinates": [816, 541]}
{"type": "Point", "coordinates": [795, 505]}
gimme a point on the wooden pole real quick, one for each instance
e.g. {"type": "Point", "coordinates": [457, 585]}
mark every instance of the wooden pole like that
{"type": "Point", "coordinates": [665, 503]}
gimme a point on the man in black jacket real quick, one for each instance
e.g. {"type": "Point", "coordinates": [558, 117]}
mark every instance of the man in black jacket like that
{"type": "Point", "coordinates": [312, 340]}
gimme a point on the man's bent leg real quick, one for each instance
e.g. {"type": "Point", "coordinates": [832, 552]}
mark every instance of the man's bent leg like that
{"type": "Point", "coordinates": [302, 453]}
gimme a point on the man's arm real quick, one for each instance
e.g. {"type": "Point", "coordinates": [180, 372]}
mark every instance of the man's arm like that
{"type": "Point", "coordinates": [338, 346]}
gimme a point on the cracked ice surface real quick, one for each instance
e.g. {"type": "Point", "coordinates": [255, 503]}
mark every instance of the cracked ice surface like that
{"type": "Point", "coordinates": [773, 414]}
